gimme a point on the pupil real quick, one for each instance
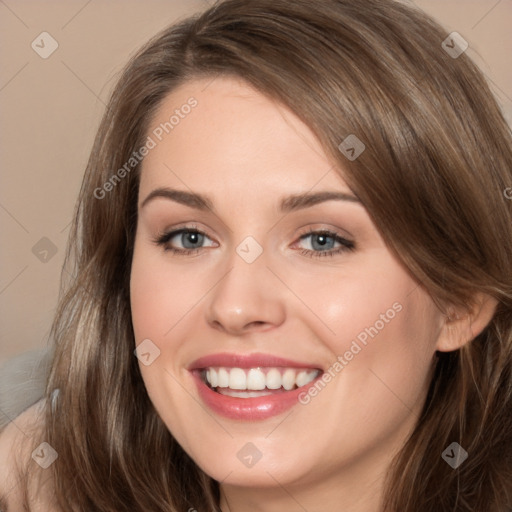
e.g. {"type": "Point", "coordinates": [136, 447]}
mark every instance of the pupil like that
{"type": "Point", "coordinates": [322, 242]}
{"type": "Point", "coordinates": [190, 239]}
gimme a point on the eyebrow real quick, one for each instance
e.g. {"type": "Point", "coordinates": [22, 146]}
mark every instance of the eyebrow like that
{"type": "Point", "coordinates": [191, 199]}
{"type": "Point", "coordinates": [288, 204]}
{"type": "Point", "coordinates": [299, 201]}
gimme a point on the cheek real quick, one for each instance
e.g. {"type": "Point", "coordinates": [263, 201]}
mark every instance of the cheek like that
{"type": "Point", "coordinates": [160, 299]}
{"type": "Point", "coordinates": [358, 302]}
{"type": "Point", "coordinates": [161, 294]}
{"type": "Point", "coordinates": [380, 328]}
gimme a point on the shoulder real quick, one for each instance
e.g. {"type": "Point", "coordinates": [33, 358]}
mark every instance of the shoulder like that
{"type": "Point", "coordinates": [20, 440]}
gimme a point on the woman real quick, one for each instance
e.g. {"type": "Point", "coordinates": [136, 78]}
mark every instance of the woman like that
{"type": "Point", "coordinates": [292, 253]}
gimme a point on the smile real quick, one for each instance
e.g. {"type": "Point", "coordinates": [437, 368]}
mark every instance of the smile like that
{"type": "Point", "coordinates": [254, 382]}
{"type": "Point", "coordinates": [251, 387]}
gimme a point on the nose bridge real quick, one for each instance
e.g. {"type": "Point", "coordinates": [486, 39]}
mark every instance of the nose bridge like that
{"type": "Point", "coordinates": [245, 298]}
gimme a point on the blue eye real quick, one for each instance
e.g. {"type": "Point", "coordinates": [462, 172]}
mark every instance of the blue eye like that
{"type": "Point", "coordinates": [187, 241]}
{"type": "Point", "coordinates": [325, 243]}
{"type": "Point", "coordinates": [184, 241]}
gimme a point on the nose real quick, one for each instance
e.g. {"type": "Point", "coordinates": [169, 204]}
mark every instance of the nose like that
{"type": "Point", "coordinates": [247, 299]}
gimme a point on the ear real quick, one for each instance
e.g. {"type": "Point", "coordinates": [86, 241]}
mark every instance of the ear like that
{"type": "Point", "coordinates": [461, 326]}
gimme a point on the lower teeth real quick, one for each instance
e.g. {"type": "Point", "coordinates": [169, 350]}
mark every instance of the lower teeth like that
{"type": "Point", "coordinates": [246, 394]}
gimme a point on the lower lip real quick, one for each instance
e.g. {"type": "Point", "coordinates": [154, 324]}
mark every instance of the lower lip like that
{"type": "Point", "coordinates": [249, 409]}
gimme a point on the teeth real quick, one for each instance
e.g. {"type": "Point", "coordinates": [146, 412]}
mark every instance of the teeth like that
{"type": "Point", "coordinates": [258, 379]}
{"type": "Point", "coordinates": [243, 394]}
{"type": "Point", "coordinates": [212, 378]}
{"type": "Point", "coordinates": [273, 379]}
{"type": "Point", "coordinates": [237, 379]}
{"type": "Point", "coordinates": [223, 377]}
{"type": "Point", "coordinates": [289, 379]}
{"type": "Point", "coordinates": [302, 379]}
{"type": "Point", "coordinates": [255, 380]}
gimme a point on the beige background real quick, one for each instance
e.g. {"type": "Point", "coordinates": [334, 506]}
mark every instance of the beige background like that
{"type": "Point", "coordinates": [50, 109]}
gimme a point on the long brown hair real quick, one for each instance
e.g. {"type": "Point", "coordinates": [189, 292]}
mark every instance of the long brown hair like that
{"type": "Point", "coordinates": [432, 177]}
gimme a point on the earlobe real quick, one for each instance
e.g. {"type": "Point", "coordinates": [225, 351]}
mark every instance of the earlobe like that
{"type": "Point", "coordinates": [461, 326]}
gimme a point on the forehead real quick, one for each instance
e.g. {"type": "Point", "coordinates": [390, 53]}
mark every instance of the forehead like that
{"type": "Point", "coordinates": [222, 133]}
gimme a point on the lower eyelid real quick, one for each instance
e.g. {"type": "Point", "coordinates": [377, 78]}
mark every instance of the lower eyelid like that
{"type": "Point", "coordinates": [165, 238]}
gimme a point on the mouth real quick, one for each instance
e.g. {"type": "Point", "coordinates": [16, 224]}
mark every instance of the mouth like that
{"type": "Point", "coordinates": [252, 387]}
{"type": "Point", "coordinates": [256, 382]}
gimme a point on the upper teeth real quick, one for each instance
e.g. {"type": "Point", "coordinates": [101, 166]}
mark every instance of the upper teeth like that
{"type": "Point", "coordinates": [259, 378]}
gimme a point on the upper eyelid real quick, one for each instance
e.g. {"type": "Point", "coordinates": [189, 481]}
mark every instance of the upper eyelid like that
{"type": "Point", "coordinates": [331, 231]}
{"type": "Point", "coordinates": [308, 231]}
{"type": "Point", "coordinates": [171, 233]}
{"type": "Point", "coordinates": [319, 230]}
{"type": "Point", "coordinates": [341, 239]}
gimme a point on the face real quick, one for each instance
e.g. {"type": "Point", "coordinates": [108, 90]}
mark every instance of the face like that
{"type": "Point", "coordinates": [278, 337]}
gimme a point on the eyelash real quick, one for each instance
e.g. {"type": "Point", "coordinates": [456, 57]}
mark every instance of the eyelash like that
{"type": "Point", "coordinates": [345, 245]}
{"type": "Point", "coordinates": [163, 240]}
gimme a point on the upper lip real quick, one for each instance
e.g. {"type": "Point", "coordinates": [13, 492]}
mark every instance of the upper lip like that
{"type": "Point", "coordinates": [255, 360]}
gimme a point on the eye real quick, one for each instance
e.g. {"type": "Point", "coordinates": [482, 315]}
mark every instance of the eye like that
{"type": "Point", "coordinates": [184, 241]}
{"type": "Point", "coordinates": [324, 243]}
{"type": "Point", "coordinates": [320, 243]}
